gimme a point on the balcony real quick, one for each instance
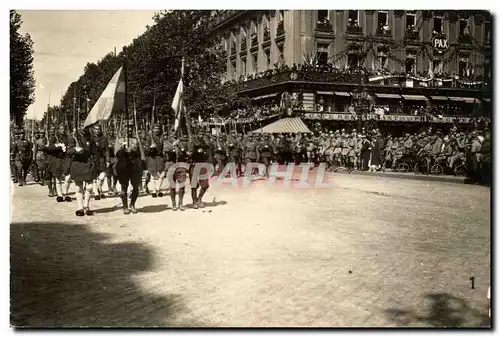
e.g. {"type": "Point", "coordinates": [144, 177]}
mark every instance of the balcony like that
{"type": "Point", "coordinates": [357, 30]}
{"type": "Point", "coordinates": [271, 77]}
{"type": "Point", "coordinates": [384, 32]}
{"type": "Point", "coordinates": [222, 17]}
{"type": "Point", "coordinates": [465, 39]}
{"type": "Point", "coordinates": [324, 26]}
{"type": "Point", "coordinates": [411, 34]}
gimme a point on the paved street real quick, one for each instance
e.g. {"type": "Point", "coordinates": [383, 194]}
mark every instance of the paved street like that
{"type": "Point", "coordinates": [369, 252]}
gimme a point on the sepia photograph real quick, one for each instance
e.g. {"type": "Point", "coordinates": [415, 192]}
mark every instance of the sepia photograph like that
{"type": "Point", "coordinates": [220, 168]}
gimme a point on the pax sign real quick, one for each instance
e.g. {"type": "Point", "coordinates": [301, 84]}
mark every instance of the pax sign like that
{"type": "Point", "coordinates": [440, 43]}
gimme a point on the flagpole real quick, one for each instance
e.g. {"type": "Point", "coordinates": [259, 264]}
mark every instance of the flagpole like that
{"type": "Point", "coordinates": [125, 76]}
{"type": "Point", "coordinates": [74, 108]}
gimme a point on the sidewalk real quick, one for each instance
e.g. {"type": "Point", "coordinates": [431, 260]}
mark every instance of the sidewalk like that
{"type": "Point", "coordinates": [413, 176]}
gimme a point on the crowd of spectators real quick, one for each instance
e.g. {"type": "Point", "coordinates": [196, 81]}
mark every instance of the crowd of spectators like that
{"type": "Point", "coordinates": [330, 67]}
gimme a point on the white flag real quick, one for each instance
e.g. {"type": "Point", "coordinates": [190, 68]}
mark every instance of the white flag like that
{"type": "Point", "coordinates": [112, 97]}
{"type": "Point", "coordinates": [178, 103]}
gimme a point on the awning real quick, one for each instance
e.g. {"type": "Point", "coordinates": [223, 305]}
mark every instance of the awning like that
{"type": "Point", "coordinates": [415, 97]}
{"type": "Point", "coordinates": [396, 96]}
{"type": "Point", "coordinates": [264, 96]}
{"type": "Point", "coordinates": [439, 98]}
{"type": "Point", "coordinates": [456, 99]}
{"type": "Point", "coordinates": [487, 100]}
{"type": "Point", "coordinates": [342, 93]}
{"type": "Point", "coordinates": [470, 100]}
{"type": "Point", "coordinates": [285, 125]}
{"type": "Point", "coordinates": [325, 92]}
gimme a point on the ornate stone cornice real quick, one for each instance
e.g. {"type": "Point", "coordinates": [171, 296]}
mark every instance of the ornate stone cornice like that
{"type": "Point", "coordinates": [452, 16]}
{"type": "Point", "coordinates": [427, 14]}
{"type": "Point", "coordinates": [478, 18]}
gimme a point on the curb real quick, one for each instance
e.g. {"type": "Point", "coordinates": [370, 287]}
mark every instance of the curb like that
{"type": "Point", "coordinates": [412, 176]}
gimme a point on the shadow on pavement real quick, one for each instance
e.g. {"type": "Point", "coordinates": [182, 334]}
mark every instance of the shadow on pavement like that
{"type": "Point", "coordinates": [154, 208]}
{"type": "Point", "coordinates": [444, 310]}
{"type": "Point", "coordinates": [65, 275]}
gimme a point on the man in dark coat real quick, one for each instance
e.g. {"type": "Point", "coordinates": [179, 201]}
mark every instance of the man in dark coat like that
{"type": "Point", "coordinates": [365, 153]}
{"type": "Point", "coordinates": [266, 150]}
{"type": "Point", "coordinates": [234, 153]}
{"type": "Point", "coordinates": [486, 159]}
{"type": "Point", "coordinates": [23, 155]}
{"type": "Point", "coordinates": [378, 147]}
{"type": "Point", "coordinates": [155, 159]}
{"type": "Point", "coordinates": [129, 166]}
{"type": "Point", "coordinates": [83, 150]}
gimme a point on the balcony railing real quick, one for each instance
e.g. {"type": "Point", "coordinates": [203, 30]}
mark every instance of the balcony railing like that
{"type": "Point", "coordinates": [354, 30]}
{"type": "Point", "coordinates": [384, 32]}
{"type": "Point", "coordinates": [411, 34]}
{"type": "Point", "coordinates": [281, 28]}
{"type": "Point", "coordinates": [324, 26]}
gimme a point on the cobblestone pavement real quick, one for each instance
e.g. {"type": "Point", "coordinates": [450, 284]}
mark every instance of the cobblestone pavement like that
{"type": "Point", "coordinates": [369, 252]}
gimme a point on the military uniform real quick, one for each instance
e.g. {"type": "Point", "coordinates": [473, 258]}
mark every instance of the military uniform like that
{"type": "Point", "coordinates": [180, 174]}
{"type": "Point", "coordinates": [129, 168]}
{"type": "Point", "coordinates": [111, 177]}
{"type": "Point", "coordinates": [83, 152]}
{"type": "Point", "coordinates": [266, 152]}
{"type": "Point", "coordinates": [23, 155]}
{"type": "Point", "coordinates": [59, 163]}
{"type": "Point", "coordinates": [234, 154]}
{"type": "Point", "coordinates": [220, 155]}
{"type": "Point", "coordinates": [199, 154]}
{"type": "Point", "coordinates": [155, 160]}
{"type": "Point", "coordinates": [101, 159]}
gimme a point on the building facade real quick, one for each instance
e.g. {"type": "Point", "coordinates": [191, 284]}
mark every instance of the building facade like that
{"type": "Point", "coordinates": [426, 58]}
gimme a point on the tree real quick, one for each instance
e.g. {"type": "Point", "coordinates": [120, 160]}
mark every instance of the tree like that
{"type": "Point", "coordinates": [22, 82]}
{"type": "Point", "coordinates": [154, 68]}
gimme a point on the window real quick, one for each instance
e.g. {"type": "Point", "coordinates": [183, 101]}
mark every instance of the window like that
{"type": "Point", "coordinates": [382, 19]}
{"type": "Point", "coordinates": [322, 53]}
{"type": "Point", "coordinates": [464, 27]}
{"type": "Point", "coordinates": [382, 59]}
{"type": "Point", "coordinates": [281, 15]}
{"type": "Point", "coordinates": [487, 32]}
{"type": "Point", "coordinates": [243, 66]}
{"type": "Point", "coordinates": [353, 18]}
{"type": "Point", "coordinates": [254, 64]}
{"type": "Point", "coordinates": [411, 58]}
{"type": "Point", "coordinates": [267, 23]}
{"type": "Point", "coordinates": [410, 19]}
{"type": "Point", "coordinates": [463, 65]}
{"type": "Point", "coordinates": [437, 66]}
{"type": "Point", "coordinates": [438, 25]}
{"type": "Point", "coordinates": [233, 70]}
{"type": "Point", "coordinates": [233, 44]}
{"type": "Point", "coordinates": [323, 16]}
{"type": "Point", "coordinates": [487, 70]}
{"type": "Point", "coordinates": [281, 55]}
{"type": "Point", "coordinates": [353, 61]}
{"type": "Point", "coordinates": [268, 59]}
